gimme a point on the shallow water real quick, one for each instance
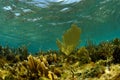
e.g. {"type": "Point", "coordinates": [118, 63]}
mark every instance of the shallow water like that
{"type": "Point", "coordinates": [37, 23]}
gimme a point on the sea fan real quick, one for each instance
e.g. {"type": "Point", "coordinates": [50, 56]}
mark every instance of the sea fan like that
{"type": "Point", "coordinates": [70, 40]}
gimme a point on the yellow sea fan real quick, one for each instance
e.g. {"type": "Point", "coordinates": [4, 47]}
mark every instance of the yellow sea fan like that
{"type": "Point", "coordinates": [70, 40]}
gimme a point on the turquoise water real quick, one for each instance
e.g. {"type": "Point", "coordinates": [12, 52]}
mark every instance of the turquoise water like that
{"type": "Point", "coordinates": [38, 23]}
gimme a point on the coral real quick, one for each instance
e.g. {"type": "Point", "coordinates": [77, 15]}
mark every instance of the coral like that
{"type": "Point", "coordinates": [39, 66]}
{"type": "Point", "coordinates": [23, 52]}
{"type": "Point", "coordinates": [70, 40]}
{"type": "Point", "coordinates": [116, 41]}
{"type": "Point", "coordinates": [116, 55]}
{"type": "Point", "coordinates": [111, 73]}
{"type": "Point", "coordinates": [102, 51]}
{"type": "Point", "coordinates": [4, 73]}
{"type": "Point", "coordinates": [83, 55]}
{"type": "Point", "coordinates": [36, 65]}
{"type": "Point", "coordinates": [93, 62]}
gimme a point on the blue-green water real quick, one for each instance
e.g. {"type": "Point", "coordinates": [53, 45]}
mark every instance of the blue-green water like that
{"type": "Point", "coordinates": [37, 23]}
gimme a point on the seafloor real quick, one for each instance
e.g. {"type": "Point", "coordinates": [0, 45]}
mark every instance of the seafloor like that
{"type": "Point", "coordinates": [91, 62]}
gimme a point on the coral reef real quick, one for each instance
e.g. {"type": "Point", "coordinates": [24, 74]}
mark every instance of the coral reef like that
{"type": "Point", "coordinates": [91, 62]}
{"type": "Point", "coordinates": [53, 65]}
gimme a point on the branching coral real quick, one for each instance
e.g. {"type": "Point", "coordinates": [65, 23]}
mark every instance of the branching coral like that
{"type": "Point", "coordinates": [36, 65]}
{"type": "Point", "coordinates": [70, 40]}
{"type": "Point", "coordinates": [39, 66]}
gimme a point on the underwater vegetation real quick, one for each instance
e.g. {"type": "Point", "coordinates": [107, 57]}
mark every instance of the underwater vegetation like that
{"type": "Point", "coordinates": [90, 62]}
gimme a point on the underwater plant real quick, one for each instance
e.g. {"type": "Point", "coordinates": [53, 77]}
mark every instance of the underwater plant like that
{"type": "Point", "coordinates": [70, 40]}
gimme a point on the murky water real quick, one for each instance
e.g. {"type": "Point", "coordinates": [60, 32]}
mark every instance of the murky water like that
{"type": "Point", "coordinates": [38, 23]}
